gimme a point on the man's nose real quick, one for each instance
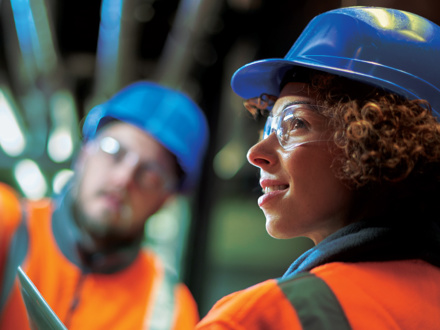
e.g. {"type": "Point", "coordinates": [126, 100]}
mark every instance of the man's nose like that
{"type": "Point", "coordinates": [125, 171]}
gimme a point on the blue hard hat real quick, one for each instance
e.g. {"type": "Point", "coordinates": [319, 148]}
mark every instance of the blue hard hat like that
{"type": "Point", "coordinates": [392, 49]}
{"type": "Point", "coordinates": [171, 117]}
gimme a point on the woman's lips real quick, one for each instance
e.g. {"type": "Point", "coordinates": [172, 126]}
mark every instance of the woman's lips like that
{"type": "Point", "coordinates": [271, 189]}
{"type": "Point", "coordinates": [262, 200]}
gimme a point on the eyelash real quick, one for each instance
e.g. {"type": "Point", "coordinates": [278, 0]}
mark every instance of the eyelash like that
{"type": "Point", "coordinates": [296, 123]}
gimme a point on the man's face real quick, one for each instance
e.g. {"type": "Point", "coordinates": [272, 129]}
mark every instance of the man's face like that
{"type": "Point", "coordinates": [120, 178]}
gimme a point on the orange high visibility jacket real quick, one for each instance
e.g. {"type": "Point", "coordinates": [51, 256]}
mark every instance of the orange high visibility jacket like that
{"type": "Point", "coordinates": [141, 296]}
{"type": "Point", "coordinates": [365, 295]}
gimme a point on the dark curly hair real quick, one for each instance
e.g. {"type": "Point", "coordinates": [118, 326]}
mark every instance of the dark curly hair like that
{"type": "Point", "coordinates": [384, 137]}
{"type": "Point", "coordinates": [384, 143]}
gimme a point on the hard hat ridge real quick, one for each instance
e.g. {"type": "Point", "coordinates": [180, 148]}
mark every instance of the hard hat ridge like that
{"type": "Point", "coordinates": [391, 49]}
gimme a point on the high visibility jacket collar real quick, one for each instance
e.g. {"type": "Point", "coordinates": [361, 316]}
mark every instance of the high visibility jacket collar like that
{"type": "Point", "coordinates": [68, 237]}
{"type": "Point", "coordinates": [373, 240]}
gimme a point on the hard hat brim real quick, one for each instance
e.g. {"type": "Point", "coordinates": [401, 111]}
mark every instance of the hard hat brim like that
{"type": "Point", "coordinates": [390, 49]}
{"type": "Point", "coordinates": [265, 76]}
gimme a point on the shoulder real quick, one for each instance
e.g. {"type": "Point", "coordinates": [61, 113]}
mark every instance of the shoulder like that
{"type": "Point", "coordinates": [10, 208]}
{"type": "Point", "coordinates": [366, 272]}
{"type": "Point", "coordinates": [381, 291]}
{"type": "Point", "coordinates": [352, 281]}
{"type": "Point", "coordinates": [258, 306]}
{"type": "Point", "coordinates": [256, 295]}
{"type": "Point", "coordinates": [151, 263]}
{"type": "Point", "coordinates": [148, 258]}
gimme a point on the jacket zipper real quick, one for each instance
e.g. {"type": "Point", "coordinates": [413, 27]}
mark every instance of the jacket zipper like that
{"type": "Point", "coordinates": [75, 300]}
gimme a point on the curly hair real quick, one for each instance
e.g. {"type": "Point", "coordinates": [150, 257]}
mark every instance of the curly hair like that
{"type": "Point", "coordinates": [387, 147]}
{"type": "Point", "coordinates": [384, 137]}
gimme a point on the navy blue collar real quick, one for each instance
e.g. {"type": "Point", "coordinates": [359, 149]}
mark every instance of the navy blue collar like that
{"type": "Point", "coordinates": [374, 240]}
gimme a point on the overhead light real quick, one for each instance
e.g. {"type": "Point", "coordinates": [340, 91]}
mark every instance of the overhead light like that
{"type": "Point", "coordinates": [62, 138]}
{"type": "Point", "coordinates": [11, 137]}
{"type": "Point", "coordinates": [30, 179]}
{"type": "Point", "coordinates": [60, 180]}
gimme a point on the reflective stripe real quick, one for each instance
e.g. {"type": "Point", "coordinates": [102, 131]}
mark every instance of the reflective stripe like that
{"type": "Point", "coordinates": [315, 303]}
{"type": "Point", "coordinates": [163, 310]}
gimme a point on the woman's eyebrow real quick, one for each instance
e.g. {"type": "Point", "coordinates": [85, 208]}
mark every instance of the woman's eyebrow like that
{"type": "Point", "coordinates": [288, 104]}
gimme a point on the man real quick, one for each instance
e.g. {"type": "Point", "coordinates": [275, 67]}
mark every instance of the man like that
{"type": "Point", "coordinates": [83, 249]}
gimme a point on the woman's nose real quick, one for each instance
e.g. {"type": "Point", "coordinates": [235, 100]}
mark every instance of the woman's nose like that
{"type": "Point", "coordinates": [262, 153]}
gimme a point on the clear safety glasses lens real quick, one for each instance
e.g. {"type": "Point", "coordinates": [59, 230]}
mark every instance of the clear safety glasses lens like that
{"type": "Point", "coordinates": [149, 174]}
{"type": "Point", "coordinates": [284, 126]}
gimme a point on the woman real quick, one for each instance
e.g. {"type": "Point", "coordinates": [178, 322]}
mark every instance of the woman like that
{"type": "Point", "coordinates": [350, 157]}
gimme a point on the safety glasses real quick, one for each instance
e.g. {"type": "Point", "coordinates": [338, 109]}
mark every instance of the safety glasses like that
{"type": "Point", "coordinates": [149, 175]}
{"type": "Point", "coordinates": [290, 126]}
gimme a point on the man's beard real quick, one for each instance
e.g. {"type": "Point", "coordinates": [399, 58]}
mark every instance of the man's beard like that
{"type": "Point", "coordinates": [110, 222]}
{"type": "Point", "coordinates": [107, 230]}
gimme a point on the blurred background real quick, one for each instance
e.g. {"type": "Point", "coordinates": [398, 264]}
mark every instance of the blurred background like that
{"type": "Point", "coordinates": [59, 58]}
